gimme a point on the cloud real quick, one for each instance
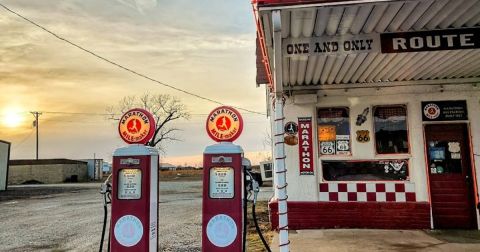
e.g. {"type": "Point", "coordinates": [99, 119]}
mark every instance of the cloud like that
{"type": "Point", "coordinates": [206, 47]}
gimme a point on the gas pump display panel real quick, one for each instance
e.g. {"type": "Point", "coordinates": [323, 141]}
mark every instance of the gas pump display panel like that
{"type": "Point", "coordinates": [129, 184]}
{"type": "Point", "coordinates": [221, 183]}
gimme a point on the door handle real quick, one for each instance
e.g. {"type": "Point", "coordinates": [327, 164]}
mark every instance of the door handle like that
{"type": "Point", "coordinates": [467, 179]}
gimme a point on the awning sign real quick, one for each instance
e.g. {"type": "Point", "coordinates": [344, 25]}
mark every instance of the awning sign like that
{"type": "Point", "coordinates": [437, 40]}
{"type": "Point", "coordinates": [305, 147]}
{"type": "Point", "coordinates": [347, 44]}
{"type": "Point", "coordinates": [398, 42]}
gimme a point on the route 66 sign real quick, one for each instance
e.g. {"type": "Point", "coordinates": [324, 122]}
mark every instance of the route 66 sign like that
{"type": "Point", "coordinates": [343, 145]}
{"type": "Point", "coordinates": [363, 136]}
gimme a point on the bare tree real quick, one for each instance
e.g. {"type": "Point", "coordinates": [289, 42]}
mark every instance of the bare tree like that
{"type": "Point", "coordinates": [164, 108]}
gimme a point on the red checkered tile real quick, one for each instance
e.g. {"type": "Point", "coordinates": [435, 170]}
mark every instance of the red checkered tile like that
{"type": "Point", "coordinates": [367, 192]}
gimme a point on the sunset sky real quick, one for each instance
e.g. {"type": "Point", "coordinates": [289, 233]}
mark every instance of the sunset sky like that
{"type": "Point", "coordinates": [206, 47]}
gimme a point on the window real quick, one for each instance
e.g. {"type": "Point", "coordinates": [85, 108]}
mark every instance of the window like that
{"type": "Point", "coordinates": [333, 131]}
{"type": "Point", "coordinates": [390, 124]}
{"type": "Point", "coordinates": [368, 170]}
{"type": "Point", "coordinates": [221, 183]}
{"type": "Point", "coordinates": [129, 184]}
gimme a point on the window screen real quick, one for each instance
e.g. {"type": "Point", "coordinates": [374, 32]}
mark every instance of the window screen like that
{"type": "Point", "coordinates": [333, 128]}
{"type": "Point", "coordinates": [390, 124]}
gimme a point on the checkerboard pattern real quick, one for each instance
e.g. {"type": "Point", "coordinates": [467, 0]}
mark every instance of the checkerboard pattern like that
{"type": "Point", "coordinates": [367, 192]}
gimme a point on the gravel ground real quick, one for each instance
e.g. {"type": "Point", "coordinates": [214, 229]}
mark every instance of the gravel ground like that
{"type": "Point", "coordinates": [69, 217]}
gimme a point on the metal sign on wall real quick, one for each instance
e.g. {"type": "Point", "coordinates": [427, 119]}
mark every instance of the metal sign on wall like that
{"type": "Point", "coordinates": [444, 110]}
{"type": "Point", "coordinates": [399, 42]}
{"type": "Point", "coordinates": [305, 147]}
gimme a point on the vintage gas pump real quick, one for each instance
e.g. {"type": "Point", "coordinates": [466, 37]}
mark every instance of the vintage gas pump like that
{"type": "Point", "coordinates": [134, 187]}
{"type": "Point", "coordinates": [223, 190]}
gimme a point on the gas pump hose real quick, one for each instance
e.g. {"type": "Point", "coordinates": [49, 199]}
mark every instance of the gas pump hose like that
{"type": "Point", "coordinates": [245, 202]}
{"type": "Point", "coordinates": [254, 215]}
{"type": "Point", "coordinates": [256, 188]}
{"type": "Point", "coordinates": [106, 191]}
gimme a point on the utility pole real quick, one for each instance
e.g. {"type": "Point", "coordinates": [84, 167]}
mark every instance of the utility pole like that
{"type": "Point", "coordinates": [36, 114]}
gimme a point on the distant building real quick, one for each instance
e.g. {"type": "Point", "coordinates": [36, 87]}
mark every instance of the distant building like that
{"type": "Point", "coordinates": [95, 168]}
{"type": "Point", "coordinates": [106, 168]}
{"type": "Point", "coordinates": [167, 167]}
{"type": "Point", "coordinates": [4, 158]}
{"type": "Point", "coordinates": [48, 171]}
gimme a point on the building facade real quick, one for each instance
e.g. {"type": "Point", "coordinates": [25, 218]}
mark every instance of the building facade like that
{"type": "Point", "coordinates": [382, 126]}
{"type": "Point", "coordinates": [47, 171]}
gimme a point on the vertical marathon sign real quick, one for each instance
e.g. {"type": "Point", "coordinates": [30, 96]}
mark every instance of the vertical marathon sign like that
{"type": "Point", "coordinates": [305, 147]}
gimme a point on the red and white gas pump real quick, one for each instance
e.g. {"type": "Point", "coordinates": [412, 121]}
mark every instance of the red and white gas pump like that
{"type": "Point", "coordinates": [134, 187]}
{"type": "Point", "coordinates": [223, 190]}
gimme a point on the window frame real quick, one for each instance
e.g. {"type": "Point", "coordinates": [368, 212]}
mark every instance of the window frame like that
{"type": "Point", "coordinates": [209, 181]}
{"type": "Point", "coordinates": [374, 136]}
{"type": "Point", "coordinates": [407, 179]}
{"type": "Point", "coordinates": [141, 182]}
{"type": "Point", "coordinates": [349, 132]}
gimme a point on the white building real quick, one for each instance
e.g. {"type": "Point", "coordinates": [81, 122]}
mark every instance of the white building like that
{"type": "Point", "coordinates": [385, 99]}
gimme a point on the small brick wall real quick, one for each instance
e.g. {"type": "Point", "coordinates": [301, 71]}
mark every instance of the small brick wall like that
{"type": "Point", "coordinates": [46, 172]}
{"type": "Point", "coordinates": [382, 215]}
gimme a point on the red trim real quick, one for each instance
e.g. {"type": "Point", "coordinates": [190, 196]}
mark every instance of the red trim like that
{"type": "Point", "coordinates": [151, 131]}
{"type": "Point", "coordinates": [263, 48]}
{"type": "Point", "coordinates": [384, 215]}
{"type": "Point", "coordinates": [427, 168]}
{"type": "Point", "coordinates": [473, 168]}
{"type": "Point", "coordinates": [264, 3]}
{"type": "Point", "coordinates": [234, 137]}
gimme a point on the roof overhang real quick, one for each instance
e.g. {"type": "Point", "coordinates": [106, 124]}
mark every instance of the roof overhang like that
{"type": "Point", "coordinates": [370, 43]}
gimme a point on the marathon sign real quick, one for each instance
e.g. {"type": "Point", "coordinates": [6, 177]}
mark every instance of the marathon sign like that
{"type": "Point", "coordinates": [305, 147]}
{"type": "Point", "coordinates": [435, 40]}
{"type": "Point", "coordinates": [444, 110]}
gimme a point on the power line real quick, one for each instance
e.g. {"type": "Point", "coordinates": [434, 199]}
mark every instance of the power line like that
{"type": "Point", "coordinates": [79, 113]}
{"type": "Point", "coordinates": [106, 114]}
{"type": "Point", "coordinates": [119, 65]}
{"type": "Point", "coordinates": [15, 147]}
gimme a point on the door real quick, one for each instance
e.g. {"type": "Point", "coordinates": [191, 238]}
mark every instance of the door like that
{"type": "Point", "coordinates": [450, 171]}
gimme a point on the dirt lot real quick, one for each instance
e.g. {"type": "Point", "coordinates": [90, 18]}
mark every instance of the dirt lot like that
{"type": "Point", "coordinates": [69, 217]}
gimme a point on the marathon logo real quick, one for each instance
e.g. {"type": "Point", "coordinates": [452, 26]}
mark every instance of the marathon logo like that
{"type": "Point", "coordinates": [223, 111]}
{"type": "Point", "coordinates": [135, 113]}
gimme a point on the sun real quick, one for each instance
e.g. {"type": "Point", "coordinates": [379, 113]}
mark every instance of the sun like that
{"type": "Point", "coordinates": [12, 118]}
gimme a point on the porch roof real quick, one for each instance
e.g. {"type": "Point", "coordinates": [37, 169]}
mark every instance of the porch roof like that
{"type": "Point", "coordinates": [370, 42]}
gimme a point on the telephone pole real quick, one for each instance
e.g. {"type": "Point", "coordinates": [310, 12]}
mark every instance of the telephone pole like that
{"type": "Point", "coordinates": [36, 114]}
